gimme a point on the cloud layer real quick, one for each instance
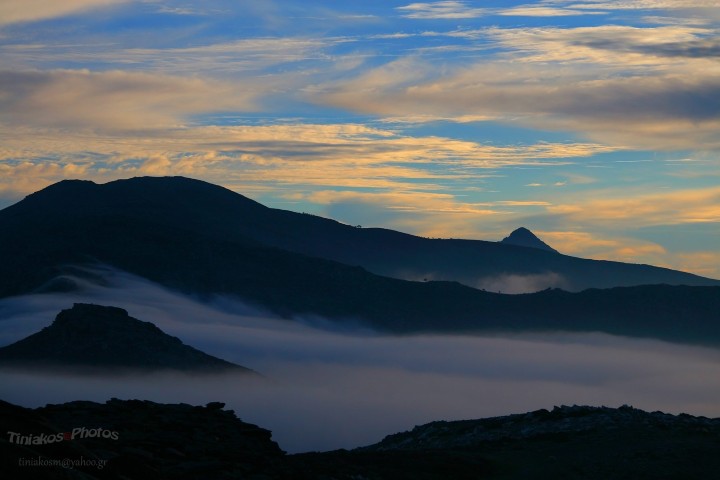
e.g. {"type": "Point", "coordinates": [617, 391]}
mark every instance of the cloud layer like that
{"type": "Point", "coordinates": [330, 387]}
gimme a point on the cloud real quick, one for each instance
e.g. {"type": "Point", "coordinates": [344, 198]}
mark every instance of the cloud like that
{"type": "Point", "coordinates": [441, 10]}
{"type": "Point", "coordinates": [585, 244]}
{"type": "Point", "coordinates": [22, 178]}
{"type": "Point", "coordinates": [114, 100]}
{"type": "Point", "coordinates": [550, 8]}
{"type": "Point", "coordinates": [350, 387]}
{"type": "Point", "coordinates": [642, 4]}
{"type": "Point", "coordinates": [543, 11]}
{"type": "Point", "coordinates": [647, 88]}
{"type": "Point", "coordinates": [15, 11]}
{"type": "Point", "coordinates": [422, 213]}
{"type": "Point", "coordinates": [306, 156]}
{"type": "Point", "coordinates": [610, 44]}
{"type": "Point", "coordinates": [678, 207]}
{"type": "Point", "coordinates": [601, 244]}
{"type": "Point", "coordinates": [705, 263]}
{"type": "Point", "coordinates": [515, 284]}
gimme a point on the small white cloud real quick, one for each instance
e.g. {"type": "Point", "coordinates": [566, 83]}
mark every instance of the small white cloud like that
{"type": "Point", "coordinates": [441, 10]}
{"type": "Point", "coordinates": [540, 11]}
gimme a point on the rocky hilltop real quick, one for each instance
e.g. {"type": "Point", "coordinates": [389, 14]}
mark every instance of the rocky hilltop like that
{"type": "Point", "coordinates": [100, 339]}
{"type": "Point", "coordinates": [133, 439]}
{"type": "Point", "coordinates": [559, 422]}
{"type": "Point", "coordinates": [136, 439]}
{"type": "Point", "coordinates": [564, 443]}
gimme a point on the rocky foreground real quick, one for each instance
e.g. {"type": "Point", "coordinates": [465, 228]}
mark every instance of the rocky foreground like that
{"type": "Point", "coordinates": [144, 440]}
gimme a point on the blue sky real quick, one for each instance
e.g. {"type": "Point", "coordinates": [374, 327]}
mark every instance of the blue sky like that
{"type": "Point", "coordinates": [593, 123]}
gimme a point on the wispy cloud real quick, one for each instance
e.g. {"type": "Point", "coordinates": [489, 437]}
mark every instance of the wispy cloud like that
{"type": "Point", "coordinates": [286, 157]}
{"type": "Point", "coordinates": [700, 205]}
{"type": "Point", "coordinates": [631, 87]}
{"type": "Point", "coordinates": [117, 100]}
{"type": "Point", "coordinates": [441, 10]}
{"type": "Point", "coordinates": [14, 11]}
{"type": "Point", "coordinates": [600, 244]}
{"type": "Point", "coordinates": [545, 11]}
{"type": "Point", "coordinates": [610, 44]}
{"type": "Point", "coordinates": [640, 4]}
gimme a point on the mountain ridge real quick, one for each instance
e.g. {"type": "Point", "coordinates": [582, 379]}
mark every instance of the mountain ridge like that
{"type": "Point", "coordinates": [197, 206]}
{"type": "Point", "coordinates": [210, 248]}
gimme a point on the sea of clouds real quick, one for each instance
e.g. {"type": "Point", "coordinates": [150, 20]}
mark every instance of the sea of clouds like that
{"type": "Point", "coordinates": [330, 385]}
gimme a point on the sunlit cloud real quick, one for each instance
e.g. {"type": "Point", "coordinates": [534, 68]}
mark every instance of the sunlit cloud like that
{"type": "Point", "coordinates": [14, 11]}
{"type": "Point", "coordinates": [706, 263]}
{"type": "Point", "coordinates": [600, 245]}
{"type": "Point", "coordinates": [544, 84]}
{"type": "Point", "coordinates": [304, 155]}
{"type": "Point", "coordinates": [544, 11]}
{"type": "Point", "coordinates": [590, 245]}
{"type": "Point", "coordinates": [441, 10]}
{"type": "Point", "coordinates": [115, 100]}
{"type": "Point", "coordinates": [645, 209]}
{"type": "Point", "coordinates": [640, 4]}
{"type": "Point", "coordinates": [611, 44]}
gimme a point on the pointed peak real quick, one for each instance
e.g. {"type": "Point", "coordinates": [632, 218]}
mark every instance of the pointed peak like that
{"type": "Point", "coordinates": [522, 237]}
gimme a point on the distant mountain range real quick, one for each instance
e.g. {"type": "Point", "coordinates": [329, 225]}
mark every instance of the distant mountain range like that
{"type": "Point", "coordinates": [98, 339]}
{"type": "Point", "coordinates": [199, 238]}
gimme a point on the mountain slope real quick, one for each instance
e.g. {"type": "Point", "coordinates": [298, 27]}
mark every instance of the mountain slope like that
{"type": "Point", "coordinates": [198, 241]}
{"type": "Point", "coordinates": [105, 339]}
{"type": "Point", "coordinates": [197, 208]}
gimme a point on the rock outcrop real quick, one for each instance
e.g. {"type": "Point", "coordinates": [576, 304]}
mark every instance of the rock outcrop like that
{"type": "Point", "coordinates": [139, 440]}
{"type": "Point", "coordinates": [100, 339]}
{"type": "Point", "coordinates": [132, 439]}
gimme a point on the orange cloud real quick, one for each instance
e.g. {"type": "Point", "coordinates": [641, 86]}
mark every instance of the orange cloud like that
{"type": "Point", "coordinates": [13, 11]}
{"type": "Point", "coordinates": [667, 208]}
{"type": "Point", "coordinates": [114, 100]}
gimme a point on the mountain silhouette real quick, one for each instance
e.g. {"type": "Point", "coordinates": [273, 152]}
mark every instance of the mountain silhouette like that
{"type": "Point", "coordinates": [201, 211]}
{"type": "Point", "coordinates": [522, 237]}
{"type": "Point", "coordinates": [100, 339]}
{"type": "Point", "coordinates": [205, 240]}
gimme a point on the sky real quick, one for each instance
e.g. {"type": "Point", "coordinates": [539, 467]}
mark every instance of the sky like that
{"type": "Point", "coordinates": [326, 388]}
{"type": "Point", "coordinates": [593, 123]}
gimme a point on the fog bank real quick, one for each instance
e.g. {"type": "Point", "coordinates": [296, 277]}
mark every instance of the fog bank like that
{"type": "Point", "coordinates": [330, 388]}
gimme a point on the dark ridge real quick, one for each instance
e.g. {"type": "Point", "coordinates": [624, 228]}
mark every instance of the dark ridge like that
{"type": "Point", "coordinates": [99, 339]}
{"type": "Point", "coordinates": [146, 209]}
{"type": "Point", "coordinates": [204, 240]}
{"type": "Point", "coordinates": [137, 440]}
{"type": "Point", "coordinates": [522, 237]}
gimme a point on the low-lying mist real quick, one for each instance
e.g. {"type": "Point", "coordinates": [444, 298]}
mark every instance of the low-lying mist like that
{"type": "Point", "coordinates": [329, 386]}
